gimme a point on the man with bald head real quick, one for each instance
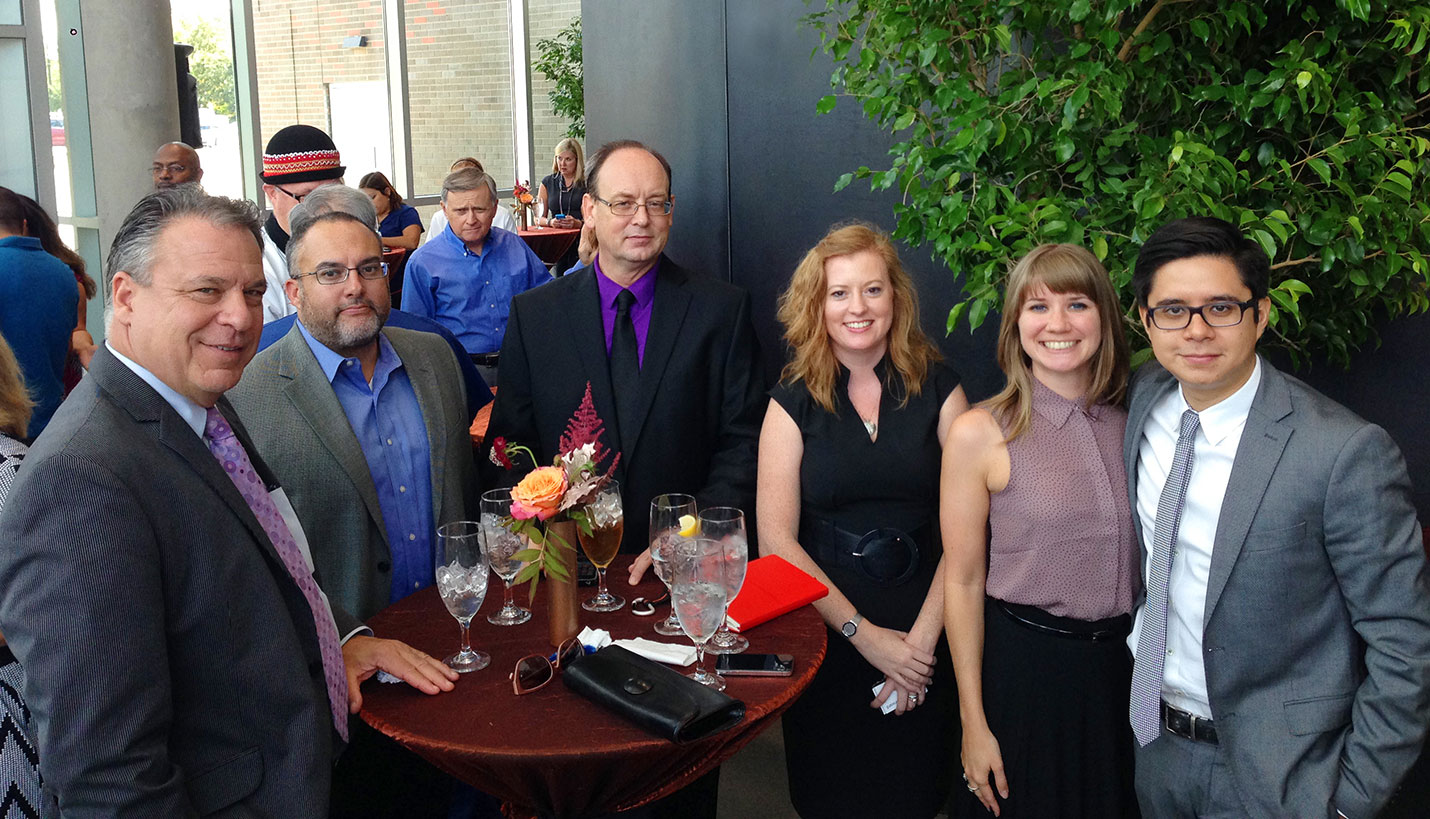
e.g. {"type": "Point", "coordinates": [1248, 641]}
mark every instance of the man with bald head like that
{"type": "Point", "coordinates": [155, 584]}
{"type": "Point", "coordinates": [175, 164]}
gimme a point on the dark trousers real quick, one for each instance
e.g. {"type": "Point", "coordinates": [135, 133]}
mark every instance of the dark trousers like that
{"type": "Point", "coordinates": [1179, 778]}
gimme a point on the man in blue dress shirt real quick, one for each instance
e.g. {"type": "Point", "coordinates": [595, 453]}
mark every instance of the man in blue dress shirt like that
{"type": "Point", "coordinates": [465, 278]}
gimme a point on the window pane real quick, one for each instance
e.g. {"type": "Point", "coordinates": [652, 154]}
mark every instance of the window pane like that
{"type": "Point", "coordinates": [324, 64]}
{"type": "Point", "coordinates": [545, 20]}
{"type": "Point", "coordinates": [17, 160]}
{"type": "Point", "coordinates": [207, 26]}
{"type": "Point", "coordinates": [10, 13]}
{"type": "Point", "coordinates": [459, 89]}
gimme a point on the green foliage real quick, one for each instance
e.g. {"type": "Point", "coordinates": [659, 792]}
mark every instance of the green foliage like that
{"type": "Point", "coordinates": [1028, 121]}
{"type": "Point", "coordinates": [560, 61]}
{"type": "Point", "coordinates": [211, 64]}
{"type": "Point", "coordinates": [52, 79]}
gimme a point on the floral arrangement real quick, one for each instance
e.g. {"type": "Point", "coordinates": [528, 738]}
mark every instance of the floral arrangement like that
{"type": "Point", "coordinates": [573, 480]}
{"type": "Point", "coordinates": [525, 201]}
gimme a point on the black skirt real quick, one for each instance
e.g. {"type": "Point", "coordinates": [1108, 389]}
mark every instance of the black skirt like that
{"type": "Point", "coordinates": [1057, 705]}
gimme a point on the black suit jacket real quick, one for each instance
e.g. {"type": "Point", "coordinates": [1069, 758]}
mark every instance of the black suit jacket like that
{"type": "Point", "coordinates": [172, 663]}
{"type": "Point", "coordinates": [702, 390]}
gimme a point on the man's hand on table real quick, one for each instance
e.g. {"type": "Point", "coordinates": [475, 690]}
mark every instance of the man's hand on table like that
{"type": "Point", "coordinates": [365, 656]}
{"type": "Point", "coordinates": [639, 566]}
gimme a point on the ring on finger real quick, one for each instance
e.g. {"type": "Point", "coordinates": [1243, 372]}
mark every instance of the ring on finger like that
{"type": "Point", "coordinates": [972, 788]}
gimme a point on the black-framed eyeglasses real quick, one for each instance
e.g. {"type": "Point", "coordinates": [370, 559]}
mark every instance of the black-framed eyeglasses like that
{"type": "Point", "coordinates": [337, 274]}
{"type": "Point", "coordinates": [296, 197]}
{"type": "Point", "coordinates": [1214, 313]}
{"type": "Point", "coordinates": [625, 207]}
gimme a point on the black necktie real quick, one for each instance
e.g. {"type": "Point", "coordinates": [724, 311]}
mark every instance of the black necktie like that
{"type": "Point", "coordinates": [625, 366]}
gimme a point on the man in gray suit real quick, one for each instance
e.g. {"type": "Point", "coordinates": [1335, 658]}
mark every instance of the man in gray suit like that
{"type": "Point", "coordinates": [181, 658]}
{"type": "Point", "coordinates": [1283, 645]}
{"type": "Point", "coordinates": [365, 427]}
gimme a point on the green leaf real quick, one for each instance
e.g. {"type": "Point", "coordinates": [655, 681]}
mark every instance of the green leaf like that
{"type": "Point", "coordinates": [1064, 148]}
{"type": "Point", "coordinates": [825, 104]}
{"type": "Point", "coordinates": [953, 316]}
{"type": "Point", "coordinates": [843, 181]}
{"type": "Point", "coordinates": [904, 121]}
{"type": "Point", "coordinates": [1079, 10]}
{"type": "Point", "coordinates": [1099, 247]}
{"type": "Point", "coordinates": [1321, 168]}
{"type": "Point", "coordinates": [1303, 79]}
{"type": "Point", "coordinates": [1200, 28]}
{"type": "Point", "coordinates": [1177, 152]}
{"type": "Point", "coordinates": [978, 313]}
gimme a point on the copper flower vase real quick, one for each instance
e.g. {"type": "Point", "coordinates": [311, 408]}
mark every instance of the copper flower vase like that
{"type": "Point", "coordinates": [563, 608]}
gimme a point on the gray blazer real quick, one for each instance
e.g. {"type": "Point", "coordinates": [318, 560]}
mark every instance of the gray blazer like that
{"type": "Point", "coordinates": [172, 662]}
{"type": "Point", "coordinates": [301, 431]}
{"type": "Point", "coordinates": [1316, 636]}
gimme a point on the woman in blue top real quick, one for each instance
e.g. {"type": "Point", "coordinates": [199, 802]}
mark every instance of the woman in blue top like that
{"type": "Point", "coordinates": [398, 223]}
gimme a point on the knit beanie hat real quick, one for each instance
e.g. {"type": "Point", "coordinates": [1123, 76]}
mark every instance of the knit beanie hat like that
{"type": "Point", "coordinates": [301, 153]}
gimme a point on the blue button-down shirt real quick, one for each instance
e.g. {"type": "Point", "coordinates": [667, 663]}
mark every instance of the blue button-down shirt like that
{"type": "Point", "coordinates": [387, 421]}
{"type": "Point", "coordinates": [467, 293]}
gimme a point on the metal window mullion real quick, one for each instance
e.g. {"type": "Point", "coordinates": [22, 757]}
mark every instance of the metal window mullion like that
{"type": "Point", "coordinates": [245, 77]}
{"type": "Point", "coordinates": [521, 92]}
{"type": "Point", "coordinates": [32, 35]}
{"type": "Point", "coordinates": [399, 104]}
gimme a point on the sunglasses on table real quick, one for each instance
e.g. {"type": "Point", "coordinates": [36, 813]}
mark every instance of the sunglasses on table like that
{"type": "Point", "coordinates": [536, 670]}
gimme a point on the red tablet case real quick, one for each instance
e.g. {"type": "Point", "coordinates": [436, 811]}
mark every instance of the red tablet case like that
{"type": "Point", "coordinates": [772, 587]}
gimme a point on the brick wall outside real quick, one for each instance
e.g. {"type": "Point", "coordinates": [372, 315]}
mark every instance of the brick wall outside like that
{"type": "Point", "coordinates": [458, 66]}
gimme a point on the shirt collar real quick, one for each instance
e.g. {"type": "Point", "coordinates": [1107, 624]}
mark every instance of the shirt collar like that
{"type": "Point", "coordinates": [461, 246]}
{"type": "Point", "coordinates": [194, 415]}
{"type": "Point", "coordinates": [1228, 415]}
{"type": "Point", "coordinates": [330, 361]}
{"type": "Point", "coordinates": [643, 288]}
{"type": "Point", "coordinates": [21, 241]}
{"type": "Point", "coordinates": [1055, 408]}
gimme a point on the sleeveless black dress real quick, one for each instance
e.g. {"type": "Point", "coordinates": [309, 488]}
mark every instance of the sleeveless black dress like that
{"type": "Point", "coordinates": [844, 758]}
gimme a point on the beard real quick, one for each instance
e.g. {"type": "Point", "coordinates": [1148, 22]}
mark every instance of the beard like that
{"type": "Point", "coordinates": [344, 335]}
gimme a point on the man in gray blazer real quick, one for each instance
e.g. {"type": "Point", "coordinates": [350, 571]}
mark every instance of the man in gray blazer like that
{"type": "Point", "coordinates": [365, 427]}
{"type": "Point", "coordinates": [154, 583]}
{"type": "Point", "coordinates": [1283, 645]}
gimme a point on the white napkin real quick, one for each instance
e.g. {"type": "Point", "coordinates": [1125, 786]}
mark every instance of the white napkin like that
{"type": "Point", "coordinates": [594, 638]}
{"type": "Point", "coordinates": [670, 653]}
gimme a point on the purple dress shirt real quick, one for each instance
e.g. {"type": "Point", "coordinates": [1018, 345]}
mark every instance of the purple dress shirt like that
{"type": "Point", "coordinates": [643, 290]}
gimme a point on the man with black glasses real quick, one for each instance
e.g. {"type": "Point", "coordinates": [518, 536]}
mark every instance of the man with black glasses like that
{"type": "Point", "coordinates": [298, 160]}
{"type": "Point", "coordinates": [1283, 644]}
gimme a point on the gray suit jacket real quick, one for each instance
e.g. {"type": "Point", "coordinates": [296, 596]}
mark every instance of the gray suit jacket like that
{"type": "Point", "coordinates": [301, 431]}
{"type": "Point", "coordinates": [172, 662]}
{"type": "Point", "coordinates": [1316, 636]}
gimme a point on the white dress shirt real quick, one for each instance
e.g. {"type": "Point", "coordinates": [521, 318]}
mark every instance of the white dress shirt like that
{"type": "Point", "coordinates": [1184, 676]}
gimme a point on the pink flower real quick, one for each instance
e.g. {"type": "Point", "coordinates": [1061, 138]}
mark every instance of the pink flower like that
{"type": "Point", "coordinates": [539, 494]}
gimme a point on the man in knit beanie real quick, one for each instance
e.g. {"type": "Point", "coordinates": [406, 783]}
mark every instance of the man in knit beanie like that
{"type": "Point", "coordinates": [298, 159]}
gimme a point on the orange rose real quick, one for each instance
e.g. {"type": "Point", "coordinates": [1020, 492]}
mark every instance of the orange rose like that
{"type": "Point", "coordinates": [539, 494]}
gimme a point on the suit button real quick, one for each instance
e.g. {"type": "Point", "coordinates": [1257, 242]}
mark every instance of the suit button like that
{"type": "Point", "coordinates": [384, 566]}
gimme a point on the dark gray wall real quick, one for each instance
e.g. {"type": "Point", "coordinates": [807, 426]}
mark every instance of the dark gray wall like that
{"type": "Point", "coordinates": [727, 91]}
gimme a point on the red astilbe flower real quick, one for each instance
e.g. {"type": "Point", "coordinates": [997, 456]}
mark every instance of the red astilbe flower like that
{"type": "Point", "coordinates": [586, 427]}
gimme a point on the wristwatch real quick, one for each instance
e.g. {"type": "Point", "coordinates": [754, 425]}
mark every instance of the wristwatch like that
{"type": "Point", "coordinates": [851, 626]}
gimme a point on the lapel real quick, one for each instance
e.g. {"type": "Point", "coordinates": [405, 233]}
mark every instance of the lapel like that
{"type": "Point", "coordinates": [157, 418]}
{"type": "Point", "coordinates": [1150, 384]}
{"type": "Point", "coordinates": [312, 396]}
{"type": "Point", "coordinates": [672, 300]}
{"type": "Point", "coordinates": [423, 378]}
{"type": "Point", "coordinates": [1257, 456]}
{"type": "Point", "coordinates": [581, 314]}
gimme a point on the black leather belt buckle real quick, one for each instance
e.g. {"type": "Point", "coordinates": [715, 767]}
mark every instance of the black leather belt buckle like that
{"type": "Point", "coordinates": [887, 557]}
{"type": "Point", "coordinates": [484, 359]}
{"type": "Point", "coordinates": [1188, 726]}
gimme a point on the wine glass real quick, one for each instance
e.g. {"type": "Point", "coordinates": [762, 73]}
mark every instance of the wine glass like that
{"type": "Point", "coordinates": [698, 597]}
{"type": "Point", "coordinates": [726, 525]}
{"type": "Point", "coordinates": [670, 514]}
{"type": "Point", "coordinates": [608, 523]}
{"type": "Point", "coordinates": [462, 581]}
{"type": "Point", "coordinates": [501, 543]}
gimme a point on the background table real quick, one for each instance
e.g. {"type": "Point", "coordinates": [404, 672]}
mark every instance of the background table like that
{"type": "Point", "coordinates": [548, 243]}
{"type": "Point", "coordinates": [553, 751]}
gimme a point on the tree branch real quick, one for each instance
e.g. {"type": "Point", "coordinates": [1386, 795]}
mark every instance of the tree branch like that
{"type": "Point", "coordinates": [1125, 53]}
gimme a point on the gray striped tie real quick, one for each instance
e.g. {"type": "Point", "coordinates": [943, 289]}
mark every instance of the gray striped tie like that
{"type": "Point", "coordinates": [1146, 706]}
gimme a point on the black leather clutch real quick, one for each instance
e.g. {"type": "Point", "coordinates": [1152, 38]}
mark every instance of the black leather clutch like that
{"type": "Point", "coordinates": [663, 702]}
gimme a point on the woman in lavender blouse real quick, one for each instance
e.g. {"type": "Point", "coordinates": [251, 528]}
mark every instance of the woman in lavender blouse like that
{"type": "Point", "coordinates": [1039, 553]}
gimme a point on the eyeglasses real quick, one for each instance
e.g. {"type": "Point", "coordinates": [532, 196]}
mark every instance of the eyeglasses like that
{"type": "Point", "coordinates": [172, 167]}
{"type": "Point", "coordinates": [625, 207]}
{"type": "Point", "coordinates": [296, 197]}
{"type": "Point", "coordinates": [536, 670]}
{"type": "Point", "coordinates": [1214, 313]}
{"type": "Point", "coordinates": [337, 274]}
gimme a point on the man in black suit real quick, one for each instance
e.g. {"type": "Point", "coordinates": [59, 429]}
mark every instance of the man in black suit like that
{"type": "Point", "coordinates": [670, 355]}
{"type": "Point", "coordinates": [157, 589]}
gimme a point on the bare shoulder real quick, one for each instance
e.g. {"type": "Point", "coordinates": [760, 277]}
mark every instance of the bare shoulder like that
{"type": "Point", "coordinates": [975, 431]}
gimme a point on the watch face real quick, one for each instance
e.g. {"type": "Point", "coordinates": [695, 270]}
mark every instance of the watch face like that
{"type": "Point", "coordinates": [849, 629]}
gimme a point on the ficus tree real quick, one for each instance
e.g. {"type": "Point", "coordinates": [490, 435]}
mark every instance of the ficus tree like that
{"type": "Point", "coordinates": [560, 61]}
{"type": "Point", "coordinates": [1018, 122]}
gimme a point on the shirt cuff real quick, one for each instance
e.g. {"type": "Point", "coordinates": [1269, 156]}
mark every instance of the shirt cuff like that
{"type": "Point", "coordinates": [363, 630]}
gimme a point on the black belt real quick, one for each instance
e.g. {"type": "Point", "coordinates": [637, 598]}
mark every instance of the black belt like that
{"type": "Point", "coordinates": [1189, 726]}
{"type": "Point", "coordinates": [484, 359]}
{"type": "Point", "coordinates": [887, 557]}
{"type": "Point", "coordinates": [1104, 635]}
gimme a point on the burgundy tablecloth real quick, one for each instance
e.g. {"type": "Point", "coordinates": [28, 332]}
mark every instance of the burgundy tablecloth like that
{"type": "Point", "coordinates": [549, 243]}
{"type": "Point", "coordinates": [552, 751]}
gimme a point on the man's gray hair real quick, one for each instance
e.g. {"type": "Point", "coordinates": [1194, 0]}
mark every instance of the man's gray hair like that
{"type": "Point", "coordinates": [323, 200]}
{"type": "Point", "coordinates": [468, 179]}
{"type": "Point", "coordinates": [133, 248]}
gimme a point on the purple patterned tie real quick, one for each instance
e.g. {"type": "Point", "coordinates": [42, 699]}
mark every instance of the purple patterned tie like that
{"type": "Point", "coordinates": [1146, 706]}
{"type": "Point", "coordinates": [226, 448]}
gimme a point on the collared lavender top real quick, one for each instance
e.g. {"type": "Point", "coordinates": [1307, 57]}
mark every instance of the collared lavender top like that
{"type": "Point", "coordinates": [644, 291]}
{"type": "Point", "coordinates": [1061, 532]}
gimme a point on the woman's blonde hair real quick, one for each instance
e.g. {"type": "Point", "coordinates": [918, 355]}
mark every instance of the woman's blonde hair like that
{"type": "Point", "coordinates": [801, 311]}
{"type": "Point", "coordinates": [569, 144]}
{"type": "Point", "coordinates": [15, 403]}
{"type": "Point", "coordinates": [1061, 269]}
